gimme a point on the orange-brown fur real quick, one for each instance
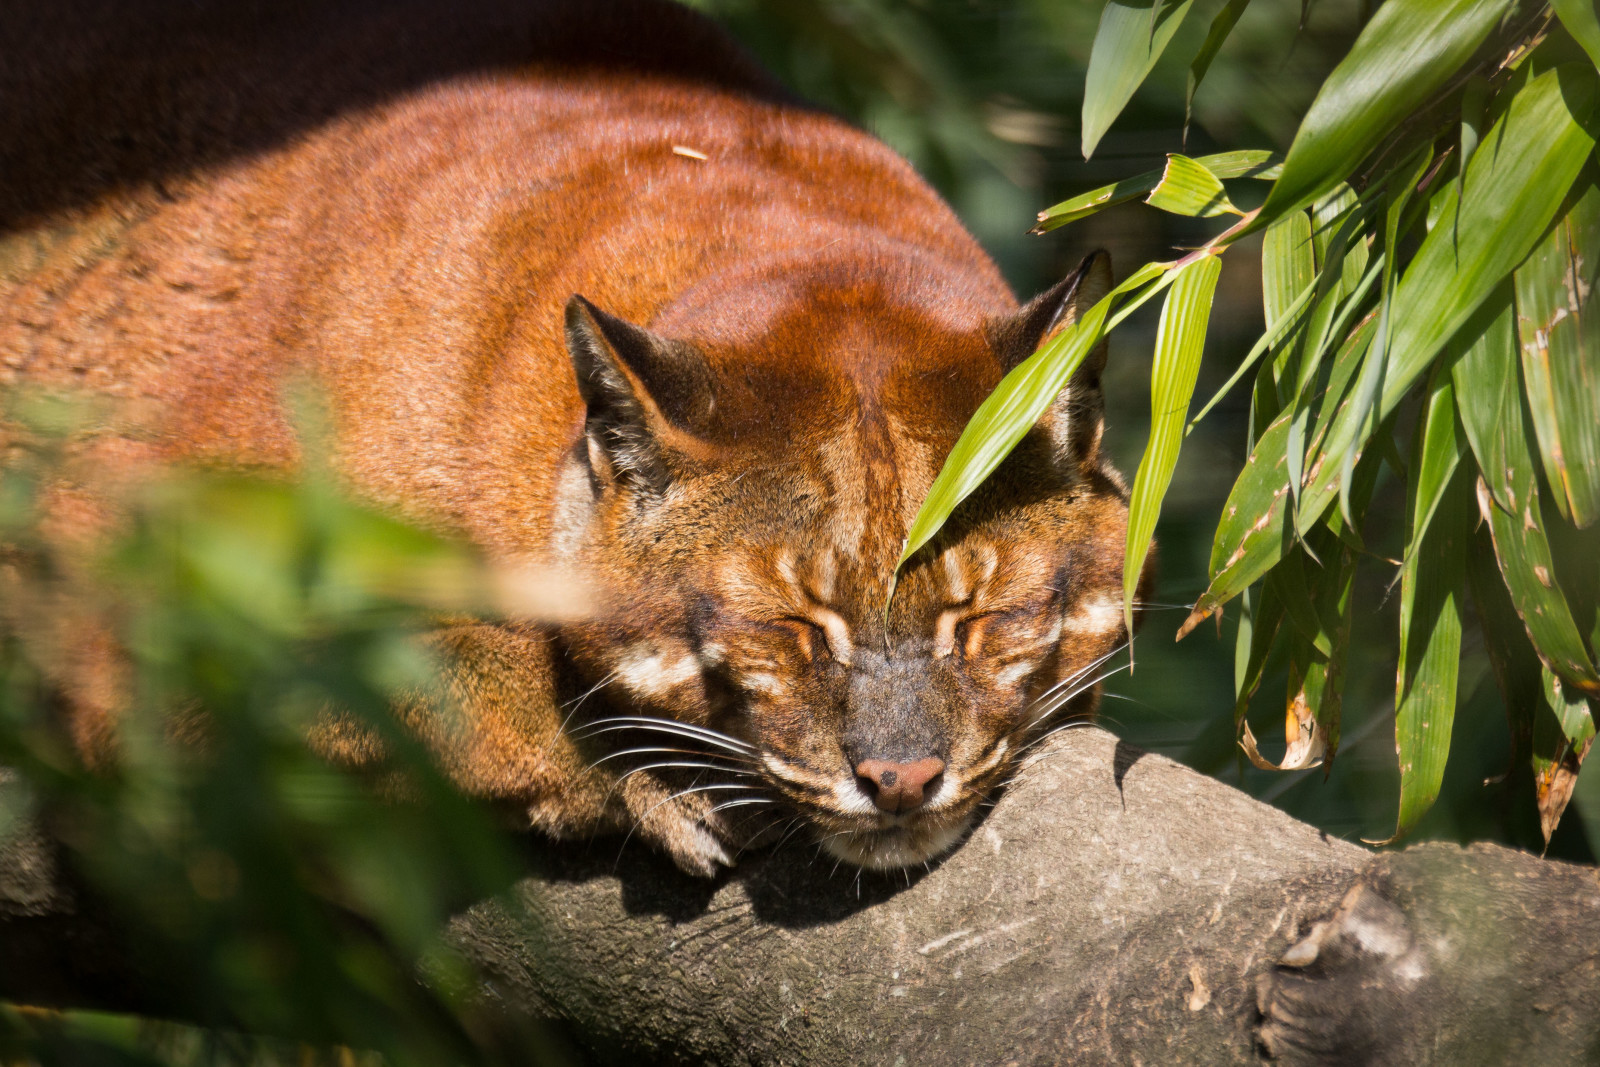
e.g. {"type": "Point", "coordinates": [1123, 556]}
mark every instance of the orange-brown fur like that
{"type": "Point", "coordinates": [400, 199]}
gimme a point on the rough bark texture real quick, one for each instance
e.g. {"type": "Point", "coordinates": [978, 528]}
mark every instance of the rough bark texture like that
{"type": "Point", "coordinates": [1114, 908]}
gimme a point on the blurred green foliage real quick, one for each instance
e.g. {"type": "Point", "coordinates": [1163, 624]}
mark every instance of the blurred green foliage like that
{"type": "Point", "coordinates": [264, 889]}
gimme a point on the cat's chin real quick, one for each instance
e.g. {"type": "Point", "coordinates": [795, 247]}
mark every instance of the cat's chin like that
{"type": "Point", "coordinates": [894, 847]}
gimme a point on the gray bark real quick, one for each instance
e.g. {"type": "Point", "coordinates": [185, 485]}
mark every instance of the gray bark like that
{"type": "Point", "coordinates": [1114, 907]}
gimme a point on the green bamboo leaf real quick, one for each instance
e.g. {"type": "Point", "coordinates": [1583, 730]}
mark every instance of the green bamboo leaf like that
{"type": "Point", "coordinates": [1397, 194]}
{"type": "Point", "coordinates": [1188, 188]}
{"type": "Point", "coordinates": [1251, 534]}
{"type": "Point", "coordinates": [1288, 264]}
{"type": "Point", "coordinates": [1538, 730]}
{"type": "Point", "coordinates": [1538, 145]}
{"type": "Point", "coordinates": [1245, 163]}
{"type": "Point", "coordinates": [1299, 604]}
{"type": "Point", "coordinates": [1489, 394]}
{"type": "Point", "coordinates": [1406, 53]}
{"type": "Point", "coordinates": [1316, 677]}
{"type": "Point", "coordinates": [1275, 333]}
{"type": "Point", "coordinates": [1018, 401]}
{"type": "Point", "coordinates": [1508, 495]}
{"type": "Point", "coordinates": [1328, 214]}
{"type": "Point", "coordinates": [1583, 22]}
{"type": "Point", "coordinates": [1523, 549]}
{"type": "Point", "coordinates": [1131, 37]}
{"type": "Point", "coordinates": [1432, 583]}
{"type": "Point", "coordinates": [1258, 627]}
{"type": "Point", "coordinates": [1558, 320]}
{"type": "Point", "coordinates": [1180, 339]}
{"type": "Point", "coordinates": [1221, 26]}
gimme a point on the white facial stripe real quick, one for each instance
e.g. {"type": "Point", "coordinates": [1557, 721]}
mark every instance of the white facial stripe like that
{"type": "Point", "coordinates": [1096, 616]}
{"type": "Point", "coordinates": [648, 671]}
{"type": "Point", "coordinates": [788, 772]}
{"type": "Point", "coordinates": [944, 632]}
{"type": "Point", "coordinates": [763, 682]}
{"type": "Point", "coordinates": [838, 632]}
{"type": "Point", "coordinates": [1014, 673]}
{"type": "Point", "coordinates": [827, 574]}
{"type": "Point", "coordinates": [955, 578]}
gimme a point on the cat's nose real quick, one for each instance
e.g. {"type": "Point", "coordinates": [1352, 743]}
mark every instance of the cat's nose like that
{"type": "Point", "coordinates": [899, 787]}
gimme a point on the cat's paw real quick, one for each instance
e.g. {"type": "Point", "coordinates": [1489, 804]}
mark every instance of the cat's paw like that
{"type": "Point", "coordinates": [685, 827]}
{"type": "Point", "coordinates": [1333, 997]}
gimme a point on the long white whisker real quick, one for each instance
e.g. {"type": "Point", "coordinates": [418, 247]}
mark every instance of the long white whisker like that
{"type": "Point", "coordinates": [1061, 699]}
{"type": "Point", "coordinates": [577, 702]}
{"type": "Point", "coordinates": [651, 750]}
{"type": "Point", "coordinates": [683, 765]}
{"type": "Point", "coordinates": [668, 726]}
{"type": "Point", "coordinates": [725, 805]}
{"type": "Point", "coordinates": [1072, 678]}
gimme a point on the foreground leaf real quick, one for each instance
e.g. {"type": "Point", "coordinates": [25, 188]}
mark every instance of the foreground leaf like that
{"type": "Point", "coordinates": [1180, 339]}
{"type": "Point", "coordinates": [1485, 377]}
{"type": "Point", "coordinates": [1015, 406]}
{"type": "Point", "coordinates": [1252, 533]}
{"type": "Point", "coordinates": [1432, 584]}
{"type": "Point", "coordinates": [1583, 22]}
{"type": "Point", "coordinates": [1403, 56]}
{"type": "Point", "coordinates": [1245, 163]}
{"type": "Point", "coordinates": [1506, 205]}
{"type": "Point", "coordinates": [1131, 37]}
{"type": "Point", "coordinates": [1558, 321]}
{"type": "Point", "coordinates": [1221, 26]}
{"type": "Point", "coordinates": [1188, 188]}
{"type": "Point", "coordinates": [1536, 729]}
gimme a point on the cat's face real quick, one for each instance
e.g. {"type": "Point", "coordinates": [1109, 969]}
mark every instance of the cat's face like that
{"type": "Point", "coordinates": [751, 561]}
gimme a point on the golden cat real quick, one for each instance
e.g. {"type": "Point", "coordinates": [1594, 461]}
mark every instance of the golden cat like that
{"type": "Point", "coordinates": [582, 284]}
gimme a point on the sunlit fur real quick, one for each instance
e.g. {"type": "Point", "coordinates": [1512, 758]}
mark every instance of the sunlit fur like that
{"type": "Point", "coordinates": [788, 331]}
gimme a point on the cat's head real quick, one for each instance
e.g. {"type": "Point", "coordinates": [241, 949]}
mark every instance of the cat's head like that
{"type": "Point", "coordinates": [743, 495]}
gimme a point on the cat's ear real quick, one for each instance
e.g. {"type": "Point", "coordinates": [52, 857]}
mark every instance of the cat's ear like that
{"type": "Point", "coordinates": [644, 394]}
{"type": "Point", "coordinates": [1074, 419]}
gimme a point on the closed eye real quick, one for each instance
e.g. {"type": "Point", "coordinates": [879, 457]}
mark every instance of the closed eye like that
{"type": "Point", "coordinates": [823, 633]}
{"type": "Point", "coordinates": [956, 629]}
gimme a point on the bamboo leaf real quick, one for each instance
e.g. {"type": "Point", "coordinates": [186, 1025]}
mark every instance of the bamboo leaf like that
{"type": "Point", "coordinates": [1397, 195]}
{"type": "Point", "coordinates": [1288, 263]}
{"type": "Point", "coordinates": [1221, 26]}
{"type": "Point", "coordinates": [1245, 163]}
{"type": "Point", "coordinates": [1558, 320]}
{"type": "Point", "coordinates": [1016, 404]}
{"type": "Point", "coordinates": [1537, 729]}
{"type": "Point", "coordinates": [1258, 626]}
{"type": "Point", "coordinates": [1525, 562]}
{"type": "Point", "coordinates": [1316, 679]}
{"type": "Point", "coordinates": [1188, 188]}
{"type": "Point", "coordinates": [1538, 145]}
{"type": "Point", "coordinates": [1131, 37]}
{"type": "Point", "coordinates": [1251, 534]}
{"type": "Point", "coordinates": [1180, 339]}
{"type": "Point", "coordinates": [1583, 22]}
{"type": "Point", "coordinates": [1432, 583]}
{"type": "Point", "coordinates": [1563, 731]}
{"type": "Point", "coordinates": [1508, 493]}
{"type": "Point", "coordinates": [1406, 53]}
